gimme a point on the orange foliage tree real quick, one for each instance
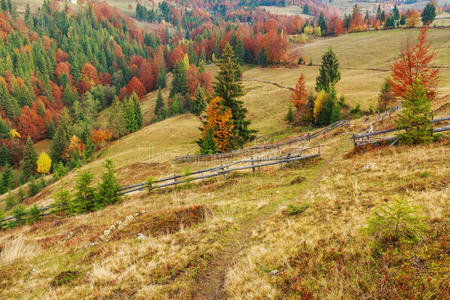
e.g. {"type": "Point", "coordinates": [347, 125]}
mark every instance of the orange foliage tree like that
{"type": "Point", "coordinates": [89, 73]}
{"type": "Point", "coordinates": [135, 85]}
{"type": "Point", "coordinates": [100, 136]}
{"type": "Point", "coordinates": [299, 96]}
{"type": "Point", "coordinates": [220, 122]}
{"type": "Point", "coordinates": [275, 46]}
{"type": "Point", "coordinates": [415, 64]}
{"type": "Point", "coordinates": [75, 145]}
{"type": "Point", "coordinates": [412, 18]}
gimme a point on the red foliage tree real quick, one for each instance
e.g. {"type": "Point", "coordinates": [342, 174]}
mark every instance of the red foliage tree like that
{"type": "Point", "coordinates": [99, 136]}
{"type": "Point", "coordinates": [146, 76]}
{"type": "Point", "coordinates": [275, 46]}
{"type": "Point", "coordinates": [63, 67]}
{"type": "Point", "coordinates": [176, 55]}
{"type": "Point", "coordinates": [30, 123]}
{"type": "Point", "coordinates": [135, 85]}
{"type": "Point", "coordinates": [192, 79]}
{"type": "Point", "coordinates": [61, 56]}
{"type": "Point", "coordinates": [89, 73]}
{"type": "Point", "coordinates": [299, 96]}
{"type": "Point", "coordinates": [415, 63]}
{"type": "Point", "coordinates": [84, 87]}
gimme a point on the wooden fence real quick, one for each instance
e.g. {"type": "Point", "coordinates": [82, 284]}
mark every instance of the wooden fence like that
{"type": "Point", "coordinates": [222, 170]}
{"type": "Point", "coordinates": [306, 137]}
{"type": "Point", "coordinates": [365, 137]}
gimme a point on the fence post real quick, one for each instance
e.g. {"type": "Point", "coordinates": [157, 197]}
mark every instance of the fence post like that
{"type": "Point", "coordinates": [319, 149]}
{"type": "Point", "coordinates": [175, 179]}
{"type": "Point", "coordinates": [253, 163]}
{"type": "Point", "coordinates": [259, 161]}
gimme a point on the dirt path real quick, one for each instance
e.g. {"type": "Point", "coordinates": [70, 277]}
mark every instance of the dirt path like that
{"type": "Point", "coordinates": [272, 83]}
{"type": "Point", "coordinates": [210, 284]}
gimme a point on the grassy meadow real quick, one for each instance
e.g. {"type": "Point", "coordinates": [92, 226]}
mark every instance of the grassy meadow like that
{"type": "Point", "coordinates": [236, 237]}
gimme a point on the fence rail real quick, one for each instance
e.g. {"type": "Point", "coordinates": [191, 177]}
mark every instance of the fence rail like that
{"type": "Point", "coordinates": [221, 170]}
{"type": "Point", "coordinates": [305, 137]}
{"type": "Point", "coordinates": [364, 138]}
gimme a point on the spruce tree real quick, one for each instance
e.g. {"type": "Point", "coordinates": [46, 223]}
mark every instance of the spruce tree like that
{"type": "Point", "coordinates": [329, 73]}
{"type": "Point", "coordinates": [4, 129]}
{"type": "Point", "coordinates": [175, 106]}
{"type": "Point", "coordinates": [262, 58]}
{"type": "Point", "coordinates": [198, 104]}
{"type": "Point", "coordinates": [29, 159]}
{"type": "Point", "coordinates": [385, 97]}
{"type": "Point", "coordinates": [179, 82]}
{"type": "Point", "coordinates": [161, 83]}
{"type": "Point", "coordinates": [5, 157]}
{"type": "Point", "coordinates": [137, 111]}
{"type": "Point", "coordinates": [428, 14]}
{"type": "Point", "coordinates": [403, 20]}
{"type": "Point", "coordinates": [130, 116]}
{"type": "Point", "coordinates": [208, 145]}
{"type": "Point", "coordinates": [228, 86]}
{"type": "Point", "coordinates": [109, 186]}
{"type": "Point", "coordinates": [7, 180]}
{"type": "Point", "coordinates": [159, 106]}
{"type": "Point", "coordinates": [415, 118]}
{"type": "Point", "coordinates": [61, 138]}
{"type": "Point", "coordinates": [85, 193]}
{"type": "Point", "coordinates": [116, 118]}
{"type": "Point", "coordinates": [323, 24]}
{"type": "Point", "coordinates": [290, 114]}
{"type": "Point", "coordinates": [396, 13]}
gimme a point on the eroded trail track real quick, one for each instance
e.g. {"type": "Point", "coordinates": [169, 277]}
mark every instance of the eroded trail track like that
{"type": "Point", "coordinates": [210, 284]}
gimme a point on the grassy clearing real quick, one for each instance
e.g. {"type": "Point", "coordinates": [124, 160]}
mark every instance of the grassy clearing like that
{"type": "Point", "coordinates": [164, 264]}
{"type": "Point", "coordinates": [321, 253]}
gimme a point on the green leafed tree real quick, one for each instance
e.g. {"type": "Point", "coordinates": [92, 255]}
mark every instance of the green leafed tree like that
{"type": "Point", "coordinates": [428, 14]}
{"type": "Point", "coordinates": [198, 104]}
{"type": "Point", "coordinates": [5, 157]}
{"type": "Point", "coordinates": [108, 188]}
{"type": "Point", "coordinates": [85, 193]}
{"type": "Point", "coordinates": [159, 106]}
{"type": "Point", "coordinates": [137, 111]}
{"type": "Point", "coordinates": [229, 87]}
{"type": "Point", "coordinates": [415, 118]}
{"type": "Point", "coordinates": [323, 24]}
{"type": "Point", "coordinates": [208, 145]}
{"type": "Point", "coordinates": [29, 159]}
{"type": "Point", "coordinates": [179, 82]}
{"type": "Point", "coordinates": [262, 58]}
{"type": "Point", "coordinates": [329, 73]}
{"type": "Point", "coordinates": [62, 137]}
{"type": "Point", "coordinates": [175, 106]}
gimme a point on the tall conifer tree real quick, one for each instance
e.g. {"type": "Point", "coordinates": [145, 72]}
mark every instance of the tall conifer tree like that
{"type": "Point", "coordinates": [228, 86]}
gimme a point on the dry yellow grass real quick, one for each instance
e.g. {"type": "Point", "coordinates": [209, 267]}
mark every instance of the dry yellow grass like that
{"type": "Point", "coordinates": [341, 193]}
{"type": "Point", "coordinates": [340, 206]}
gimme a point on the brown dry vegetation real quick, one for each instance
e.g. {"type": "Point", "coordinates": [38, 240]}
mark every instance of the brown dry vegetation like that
{"type": "Point", "coordinates": [321, 253]}
{"type": "Point", "coordinates": [161, 245]}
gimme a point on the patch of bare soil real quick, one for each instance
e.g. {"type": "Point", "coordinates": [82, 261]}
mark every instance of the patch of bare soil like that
{"type": "Point", "coordinates": [163, 222]}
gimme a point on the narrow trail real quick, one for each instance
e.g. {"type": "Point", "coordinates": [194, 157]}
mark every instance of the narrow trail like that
{"type": "Point", "coordinates": [210, 284]}
{"type": "Point", "coordinates": [272, 83]}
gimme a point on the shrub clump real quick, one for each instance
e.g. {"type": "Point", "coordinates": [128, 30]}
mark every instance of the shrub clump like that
{"type": "Point", "coordinates": [394, 224]}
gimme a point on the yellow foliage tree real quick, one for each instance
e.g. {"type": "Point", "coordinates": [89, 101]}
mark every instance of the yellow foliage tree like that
{"type": "Point", "coordinates": [186, 61]}
{"type": "Point", "coordinates": [220, 122]}
{"type": "Point", "coordinates": [13, 133]}
{"type": "Point", "coordinates": [44, 163]}
{"type": "Point", "coordinates": [318, 104]}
